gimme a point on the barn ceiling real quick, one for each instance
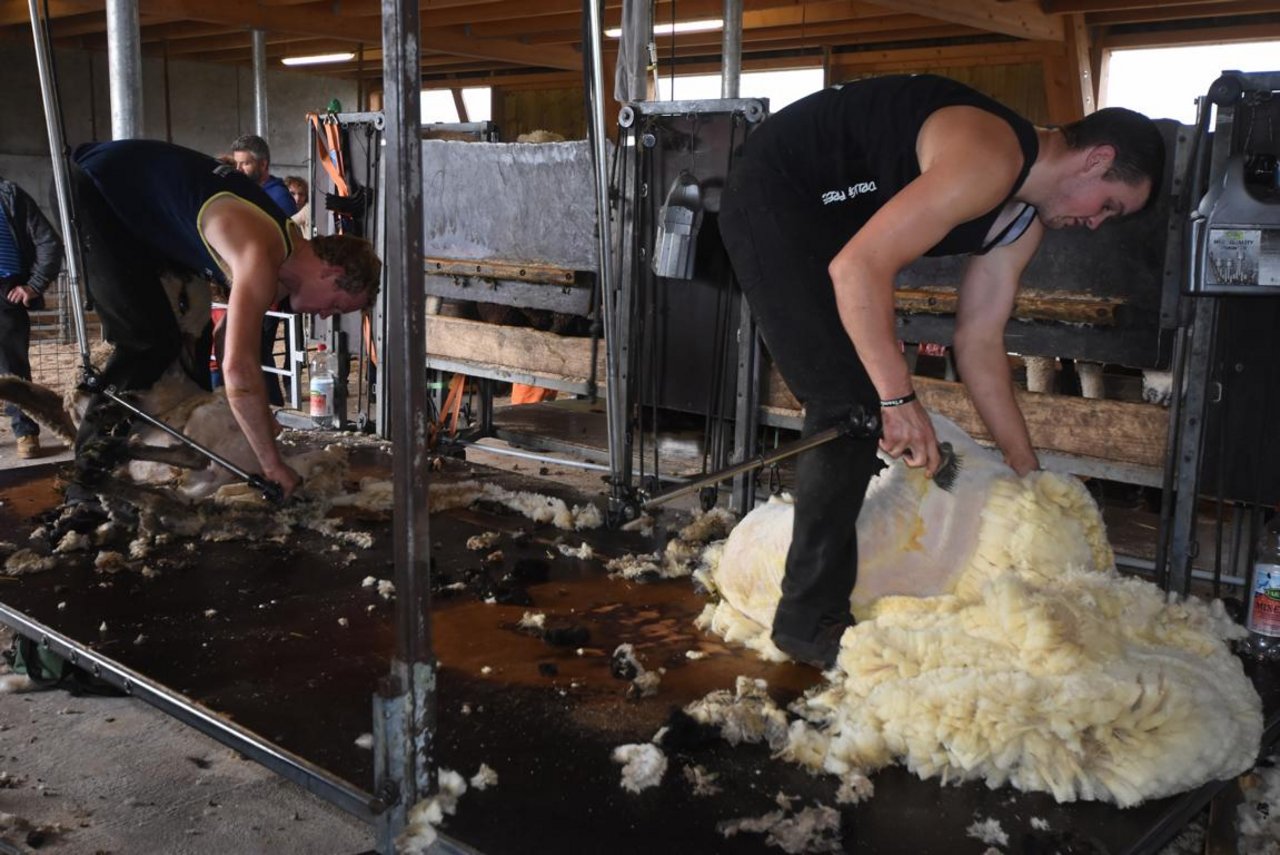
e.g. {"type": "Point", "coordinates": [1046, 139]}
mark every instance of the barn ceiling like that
{"type": "Point", "coordinates": [537, 42]}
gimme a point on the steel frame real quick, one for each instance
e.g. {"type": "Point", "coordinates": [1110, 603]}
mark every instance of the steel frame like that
{"type": "Point", "coordinates": [1194, 344]}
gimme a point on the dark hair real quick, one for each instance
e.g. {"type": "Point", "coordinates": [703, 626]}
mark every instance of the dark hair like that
{"type": "Point", "coordinates": [1136, 139]}
{"type": "Point", "coordinates": [253, 144]}
{"type": "Point", "coordinates": [361, 268]}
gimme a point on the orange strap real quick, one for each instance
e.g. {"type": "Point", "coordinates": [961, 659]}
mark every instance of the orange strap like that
{"type": "Point", "coordinates": [452, 409]}
{"type": "Point", "coordinates": [366, 326]}
{"type": "Point", "coordinates": [449, 413]}
{"type": "Point", "coordinates": [329, 151]}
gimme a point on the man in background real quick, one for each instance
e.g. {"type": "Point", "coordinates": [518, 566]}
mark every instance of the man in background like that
{"type": "Point", "coordinates": [30, 258]}
{"type": "Point", "coordinates": [252, 157]}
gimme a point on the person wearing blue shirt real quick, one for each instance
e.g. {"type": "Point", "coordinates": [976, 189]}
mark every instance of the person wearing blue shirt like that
{"type": "Point", "coordinates": [252, 156]}
{"type": "Point", "coordinates": [30, 258]}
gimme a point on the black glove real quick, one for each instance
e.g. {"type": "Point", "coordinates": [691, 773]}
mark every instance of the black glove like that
{"type": "Point", "coordinates": [353, 205]}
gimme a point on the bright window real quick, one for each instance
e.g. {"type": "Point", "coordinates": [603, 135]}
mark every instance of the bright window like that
{"type": "Point", "coordinates": [438, 106]}
{"type": "Point", "coordinates": [780, 87]}
{"type": "Point", "coordinates": [1183, 73]}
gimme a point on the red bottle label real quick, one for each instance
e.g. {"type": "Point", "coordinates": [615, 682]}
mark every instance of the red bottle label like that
{"type": "Point", "coordinates": [1264, 600]}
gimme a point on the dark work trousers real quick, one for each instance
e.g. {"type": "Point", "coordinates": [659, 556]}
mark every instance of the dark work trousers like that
{"type": "Point", "coordinates": [780, 248]}
{"type": "Point", "coordinates": [122, 276]}
{"type": "Point", "coordinates": [270, 329]}
{"type": "Point", "coordinates": [15, 338]}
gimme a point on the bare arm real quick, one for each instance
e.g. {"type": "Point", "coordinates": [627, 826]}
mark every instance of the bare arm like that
{"type": "Point", "coordinates": [986, 301]}
{"type": "Point", "coordinates": [252, 248]}
{"type": "Point", "coordinates": [961, 179]}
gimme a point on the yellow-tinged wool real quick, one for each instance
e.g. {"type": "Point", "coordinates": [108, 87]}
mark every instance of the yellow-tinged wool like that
{"type": "Point", "coordinates": [996, 641]}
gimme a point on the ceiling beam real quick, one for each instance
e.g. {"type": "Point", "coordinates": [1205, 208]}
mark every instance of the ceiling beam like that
{"type": "Point", "coordinates": [1178, 12]}
{"type": "Point", "coordinates": [1068, 7]}
{"type": "Point", "coordinates": [1262, 31]}
{"type": "Point", "coordinates": [16, 11]}
{"type": "Point", "coordinates": [1020, 18]}
{"type": "Point", "coordinates": [248, 15]}
{"type": "Point", "coordinates": [569, 26]}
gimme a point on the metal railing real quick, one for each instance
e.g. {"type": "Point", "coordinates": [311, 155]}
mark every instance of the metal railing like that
{"type": "Point", "coordinates": [295, 355]}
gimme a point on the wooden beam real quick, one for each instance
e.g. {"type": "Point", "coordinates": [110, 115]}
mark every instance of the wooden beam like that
{"type": "Point", "coordinates": [977, 54]}
{"type": "Point", "coordinates": [1263, 30]}
{"type": "Point", "coordinates": [248, 15]}
{"type": "Point", "coordinates": [1078, 60]}
{"type": "Point", "coordinates": [1029, 305]}
{"type": "Point", "coordinates": [459, 104]}
{"type": "Point", "coordinates": [1114, 431]}
{"type": "Point", "coordinates": [811, 15]}
{"type": "Point", "coordinates": [17, 11]}
{"type": "Point", "coordinates": [1177, 12]}
{"type": "Point", "coordinates": [1061, 89]}
{"type": "Point", "coordinates": [1020, 18]}
{"type": "Point", "coordinates": [518, 349]}
{"type": "Point", "coordinates": [1067, 7]}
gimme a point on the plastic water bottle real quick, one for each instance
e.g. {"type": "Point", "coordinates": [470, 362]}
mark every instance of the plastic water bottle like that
{"type": "Point", "coordinates": [322, 367]}
{"type": "Point", "coordinates": [1263, 597]}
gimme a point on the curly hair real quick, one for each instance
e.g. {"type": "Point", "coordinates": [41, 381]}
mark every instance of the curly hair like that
{"type": "Point", "coordinates": [361, 268]}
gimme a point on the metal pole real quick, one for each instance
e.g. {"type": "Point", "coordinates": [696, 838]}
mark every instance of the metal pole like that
{"type": "Point", "coordinates": [61, 182]}
{"type": "Point", "coordinates": [260, 83]}
{"type": "Point", "coordinates": [124, 63]}
{"type": "Point", "coordinates": [731, 48]}
{"type": "Point", "coordinates": [743, 497]}
{"type": "Point", "coordinates": [404, 707]}
{"type": "Point", "coordinates": [613, 404]}
{"type": "Point", "coordinates": [1183, 545]}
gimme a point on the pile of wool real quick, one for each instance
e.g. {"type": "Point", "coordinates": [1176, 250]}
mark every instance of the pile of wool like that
{"type": "Point", "coordinates": [996, 641]}
{"type": "Point", "coordinates": [682, 555]}
{"type": "Point", "coordinates": [1258, 816]}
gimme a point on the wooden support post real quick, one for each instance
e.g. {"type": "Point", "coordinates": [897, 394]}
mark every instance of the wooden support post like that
{"type": "Point", "coordinates": [1079, 53]}
{"type": "Point", "coordinates": [1069, 78]}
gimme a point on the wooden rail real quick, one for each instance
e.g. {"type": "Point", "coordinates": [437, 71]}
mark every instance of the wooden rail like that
{"type": "Point", "coordinates": [1121, 432]}
{"type": "Point", "coordinates": [1030, 305]}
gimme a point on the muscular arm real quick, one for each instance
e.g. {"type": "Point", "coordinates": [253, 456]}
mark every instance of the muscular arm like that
{"type": "Point", "coordinates": [986, 301]}
{"type": "Point", "coordinates": [969, 160]}
{"type": "Point", "coordinates": [251, 246]}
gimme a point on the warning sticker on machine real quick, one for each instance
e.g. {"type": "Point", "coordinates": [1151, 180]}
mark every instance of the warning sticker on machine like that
{"type": "Point", "coordinates": [1243, 257]}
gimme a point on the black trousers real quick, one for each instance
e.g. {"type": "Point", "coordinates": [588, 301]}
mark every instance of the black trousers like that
{"type": "Point", "coordinates": [780, 248]}
{"type": "Point", "coordinates": [15, 339]}
{"type": "Point", "coordinates": [122, 276]}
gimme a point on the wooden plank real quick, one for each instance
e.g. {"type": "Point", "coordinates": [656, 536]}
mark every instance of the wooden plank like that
{"type": "Point", "coordinates": [1030, 305]}
{"type": "Point", "coordinates": [1070, 6]}
{"type": "Point", "coordinates": [1120, 432]}
{"type": "Point", "coordinates": [501, 270]}
{"type": "Point", "coordinates": [1266, 28]}
{"type": "Point", "coordinates": [1178, 13]}
{"type": "Point", "coordinates": [518, 349]}
{"type": "Point", "coordinates": [1061, 95]}
{"type": "Point", "coordinates": [1020, 18]}
{"type": "Point", "coordinates": [1078, 59]}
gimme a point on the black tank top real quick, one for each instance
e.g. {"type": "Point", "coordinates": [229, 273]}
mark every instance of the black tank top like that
{"type": "Point", "coordinates": [159, 191]}
{"type": "Point", "coordinates": [848, 149]}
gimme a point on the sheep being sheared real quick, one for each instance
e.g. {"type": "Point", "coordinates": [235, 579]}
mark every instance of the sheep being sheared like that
{"type": "Point", "coordinates": [995, 640]}
{"type": "Point", "coordinates": [150, 456]}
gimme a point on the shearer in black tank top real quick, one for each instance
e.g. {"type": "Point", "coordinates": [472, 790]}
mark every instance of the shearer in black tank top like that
{"type": "Point", "coordinates": [145, 207]}
{"type": "Point", "coordinates": [833, 196]}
